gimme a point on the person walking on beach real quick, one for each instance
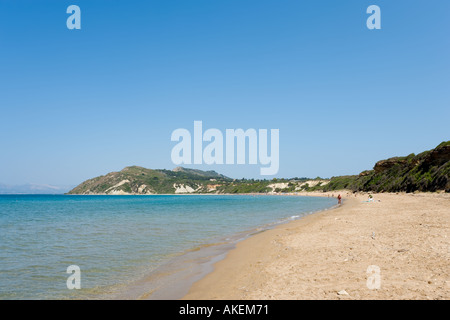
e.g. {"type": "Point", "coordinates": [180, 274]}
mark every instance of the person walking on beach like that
{"type": "Point", "coordinates": [339, 199]}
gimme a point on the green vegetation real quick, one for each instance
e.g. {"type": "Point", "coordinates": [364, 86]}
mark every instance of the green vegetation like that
{"type": "Point", "coordinates": [427, 171]}
{"type": "Point", "coordinates": [338, 183]}
{"type": "Point", "coordinates": [138, 180]}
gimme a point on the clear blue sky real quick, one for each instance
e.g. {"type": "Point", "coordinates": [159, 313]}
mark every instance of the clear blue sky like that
{"type": "Point", "coordinates": [76, 104]}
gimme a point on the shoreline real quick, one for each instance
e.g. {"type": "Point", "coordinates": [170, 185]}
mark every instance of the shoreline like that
{"type": "Point", "coordinates": [299, 193]}
{"type": "Point", "coordinates": [327, 254]}
{"type": "Point", "coordinates": [173, 279]}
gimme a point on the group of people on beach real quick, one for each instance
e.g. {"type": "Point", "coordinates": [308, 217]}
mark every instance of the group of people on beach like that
{"type": "Point", "coordinates": [370, 199]}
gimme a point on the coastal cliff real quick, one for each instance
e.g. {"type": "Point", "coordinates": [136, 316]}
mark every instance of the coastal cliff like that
{"type": "Point", "coordinates": [427, 171]}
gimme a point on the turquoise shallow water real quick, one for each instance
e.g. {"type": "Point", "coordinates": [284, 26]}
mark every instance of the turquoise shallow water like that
{"type": "Point", "coordinates": [117, 239]}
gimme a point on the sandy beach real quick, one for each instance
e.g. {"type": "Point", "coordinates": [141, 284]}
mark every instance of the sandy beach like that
{"type": "Point", "coordinates": [396, 247]}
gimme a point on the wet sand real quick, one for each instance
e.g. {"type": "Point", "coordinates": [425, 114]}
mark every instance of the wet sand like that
{"type": "Point", "coordinates": [396, 247]}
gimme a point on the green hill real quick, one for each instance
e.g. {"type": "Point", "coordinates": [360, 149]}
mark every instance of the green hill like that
{"type": "Point", "coordinates": [427, 171]}
{"type": "Point", "coordinates": [138, 180]}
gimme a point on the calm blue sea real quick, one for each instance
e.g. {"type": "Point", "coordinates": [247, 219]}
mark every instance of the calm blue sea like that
{"type": "Point", "coordinates": [117, 239]}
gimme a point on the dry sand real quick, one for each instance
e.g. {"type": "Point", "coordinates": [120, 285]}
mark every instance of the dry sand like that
{"type": "Point", "coordinates": [327, 255]}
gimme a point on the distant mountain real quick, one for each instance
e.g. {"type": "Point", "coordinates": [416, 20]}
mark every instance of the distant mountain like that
{"type": "Point", "coordinates": [33, 189]}
{"type": "Point", "coordinates": [427, 171]}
